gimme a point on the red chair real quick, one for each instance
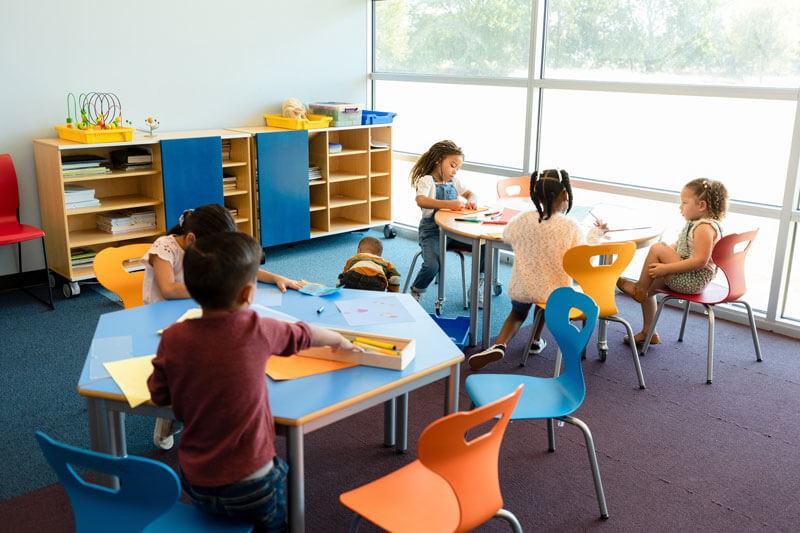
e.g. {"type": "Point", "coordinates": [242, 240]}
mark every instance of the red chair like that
{"type": "Point", "coordinates": [11, 231]}
{"type": "Point", "coordinates": [730, 259]}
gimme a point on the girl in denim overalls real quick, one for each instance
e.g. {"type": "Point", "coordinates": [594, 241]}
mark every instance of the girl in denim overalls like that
{"type": "Point", "coordinates": [434, 178]}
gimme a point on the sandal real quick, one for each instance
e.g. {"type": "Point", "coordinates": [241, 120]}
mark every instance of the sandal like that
{"type": "Point", "coordinates": [632, 289]}
{"type": "Point", "coordinates": [655, 339]}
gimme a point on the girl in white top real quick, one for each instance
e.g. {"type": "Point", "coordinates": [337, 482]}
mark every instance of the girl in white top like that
{"type": "Point", "coordinates": [163, 263]}
{"type": "Point", "coordinates": [163, 279]}
{"type": "Point", "coordinates": [539, 240]}
{"type": "Point", "coordinates": [684, 266]}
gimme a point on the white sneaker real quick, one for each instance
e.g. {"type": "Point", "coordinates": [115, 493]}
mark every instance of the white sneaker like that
{"type": "Point", "coordinates": [162, 434]}
{"type": "Point", "coordinates": [537, 346]}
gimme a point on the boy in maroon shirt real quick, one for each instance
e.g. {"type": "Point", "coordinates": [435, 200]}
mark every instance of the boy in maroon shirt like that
{"type": "Point", "coordinates": [212, 371]}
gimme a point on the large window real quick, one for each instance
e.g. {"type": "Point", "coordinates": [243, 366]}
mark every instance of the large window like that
{"type": "Point", "coordinates": [632, 98]}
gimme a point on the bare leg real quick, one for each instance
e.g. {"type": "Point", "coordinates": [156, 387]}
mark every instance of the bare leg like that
{"type": "Point", "coordinates": [511, 327]}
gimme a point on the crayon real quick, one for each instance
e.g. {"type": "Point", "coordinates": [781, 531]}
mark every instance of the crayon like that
{"type": "Point", "coordinates": [379, 344]}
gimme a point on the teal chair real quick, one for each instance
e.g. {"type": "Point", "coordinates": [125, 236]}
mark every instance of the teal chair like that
{"type": "Point", "coordinates": [556, 397]}
{"type": "Point", "coordinates": [146, 500]}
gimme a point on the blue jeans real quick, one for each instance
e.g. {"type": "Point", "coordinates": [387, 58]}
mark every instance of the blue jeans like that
{"type": "Point", "coordinates": [261, 500]}
{"type": "Point", "coordinates": [429, 243]}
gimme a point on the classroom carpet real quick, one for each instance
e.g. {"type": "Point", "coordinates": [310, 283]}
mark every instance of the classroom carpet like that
{"type": "Point", "coordinates": [680, 455]}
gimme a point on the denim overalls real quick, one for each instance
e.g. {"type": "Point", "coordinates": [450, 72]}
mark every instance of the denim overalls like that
{"type": "Point", "coordinates": [429, 240]}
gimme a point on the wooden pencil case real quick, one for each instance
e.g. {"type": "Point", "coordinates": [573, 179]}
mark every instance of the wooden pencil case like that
{"type": "Point", "coordinates": [406, 349]}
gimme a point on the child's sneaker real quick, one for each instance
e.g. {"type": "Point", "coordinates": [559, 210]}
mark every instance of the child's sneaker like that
{"type": "Point", "coordinates": [481, 359]}
{"type": "Point", "coordinates": [416, 295]}
{"type": "Point", "coordinates": [162, 434]}
{"type": "Point", "coordinates": [537, 346]}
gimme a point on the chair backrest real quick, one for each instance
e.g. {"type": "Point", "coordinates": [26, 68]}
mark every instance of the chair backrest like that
{"type": "Point", "coordinates": [729, 256]}
{"type": "Point", "coordinates": [111, 274]}
{"type": "Point", "coordinates": [147, 489]}
{"type": "Point", "coordinates": [599, 280]}
{"type": "Point", "coordinates": [470, 466]}
{"type": "Point", "coordinates": [571, 340]}
{"type": "Point", "coordinates": [9, 190]}
{"type": "Point", "coordinates": [519, 187]}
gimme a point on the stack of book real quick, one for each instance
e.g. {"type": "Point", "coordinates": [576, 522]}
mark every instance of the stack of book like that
{"type": "Point", "coordinates": [226, 149]}
{"type": "Point", "coordinates": [77, 196]}
{"type": "Point", "coordinates": [233, 211]}
{"type": "Point", "coordinates": [126, 221]}
{"type": "Point", "coordinates": [83, 164]}
{"type": "Point", "coordinates": [334, 148]}
{"type": "Point", "coordinates": [314, 173]}
{"type": "Point", "coordinates": [133, 158]}
{"type": "Point", "coordinates": [80, 257]}
{"type": "Point", "coordinates": [228, 183]}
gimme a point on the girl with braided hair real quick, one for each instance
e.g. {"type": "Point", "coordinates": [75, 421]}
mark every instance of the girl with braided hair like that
{"type": "Point", "coordinates": [437, 187]}
{"type": "Point", "coordinates": [684, 266]}
{"type": "Point", "coordinates": [539, 239]}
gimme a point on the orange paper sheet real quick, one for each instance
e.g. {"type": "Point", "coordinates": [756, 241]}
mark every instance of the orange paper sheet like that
{"type": "Point", "coordinates": [466, 211]}
{"type": "Point", "coordinates": [297, 366]}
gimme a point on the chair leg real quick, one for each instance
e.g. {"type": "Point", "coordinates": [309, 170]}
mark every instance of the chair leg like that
{"type": "Point", "coordinates": [49, 301]}
{"type": "Point", "coordinates": [509, 517]}
{"type": "Point", "coordinates": [636, 363]}
{"type": "Point", "coordinates": [710, 363]}
{"type": "Point", "coordinates": [598, 483]}
{"type": "Point", "coordinates": [47, 276]}
{"type": "Point", "coordinates": [355, 523]}
{"type": "Point", "coordinates": [683, 320]}
{"type": "Point", "coordinates": [551, 435]}
{"type": "Point", "coordinates": [538, 316]}
{"type": "Point", "coordinates": [411, 271]}
{"type": "Point", "coordinates": [753, 329]}
{"type": "Point", "coordinates": [652, 329]}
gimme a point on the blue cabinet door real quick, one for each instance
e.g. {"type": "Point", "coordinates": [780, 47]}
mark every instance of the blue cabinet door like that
{"type": "Point", "coordinates": [283, 196]}
{"type": "Point", "coordinates": [192, 170]}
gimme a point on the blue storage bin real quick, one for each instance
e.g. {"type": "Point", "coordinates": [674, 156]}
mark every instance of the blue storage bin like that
{"type": "Point", "coordinates": [377, 117]}
{"type": "Point", "coordinates": [456, 328]}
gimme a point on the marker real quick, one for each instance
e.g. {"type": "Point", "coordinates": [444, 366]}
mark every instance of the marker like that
{"type": "Point", "coordinates": [321, 309]}
{"type": "Point", "coordinates": [379, 344]}
{"type": "Point", "coordinates": [375, 349]}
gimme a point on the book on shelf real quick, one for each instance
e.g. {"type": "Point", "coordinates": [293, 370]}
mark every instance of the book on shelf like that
{"type": "Point", "coordinates": [229, 182]}
{"type": "Point", "coordinates": [334, 148]}
{"type": "Point", "coordinates": [85, 171]}
{"type": "Point", "coordinates": [314, 173]}
{"type": "Point", "coordinates": [115, 230]}
{"type": "Point", "coordinates": [226, 149]}
{"type": "Point", "coordinates": [134, 155]}
{"type": "Point", "coordinates": [125, 218]}
{"type": "Point", "coordinates": [79, 204]}
{"type": "Point", "coordinates": [82, 257]}
{"type": "Point", "coordinates": [374, 143]}
{"type": "Point", "coordinates": [70, 162]}
{"type": "Point", "coordinates": [77, 193]}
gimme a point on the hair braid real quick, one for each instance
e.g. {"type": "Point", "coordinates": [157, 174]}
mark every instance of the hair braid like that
{"type": "Point", "coordinates": [714, 193]}
{"type": "Point", "coordinates": [546, 187]}
{"type": "Point", "coordinates": [428, 161]}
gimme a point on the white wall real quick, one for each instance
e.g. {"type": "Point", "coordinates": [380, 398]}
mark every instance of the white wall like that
{"type": "Point", "coordinates": [192, 64]}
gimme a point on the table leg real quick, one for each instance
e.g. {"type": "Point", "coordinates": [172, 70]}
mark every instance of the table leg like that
{"type": "Point", "coordinates": [452, 390]}
{"type": "Point", "coordinates": [473, 290]}
{"type": "Point", "coordinates": [389, 436]}
{"type": "Point", "coordinates": [442, 253]}
{"type": "Point", "coordinates": [402, 423]}
{"type": "Point", "coordinates": [488, 273]}
{"type": "Point", "coordinates": [296, 487]}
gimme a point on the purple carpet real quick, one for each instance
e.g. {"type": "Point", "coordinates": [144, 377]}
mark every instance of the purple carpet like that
{"type": "Point", "coordinates": [681, 455]}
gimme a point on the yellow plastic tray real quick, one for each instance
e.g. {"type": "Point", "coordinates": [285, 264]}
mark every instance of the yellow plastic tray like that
{"type": "Point", "coordinates": [95, 136]}
{"type": "Point", "coordinates": [313, 121]}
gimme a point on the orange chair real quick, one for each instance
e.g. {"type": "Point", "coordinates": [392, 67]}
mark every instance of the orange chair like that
{"type": "Point", "coordinates": [452, 486]}
{"type": "Point", "coordinates": [11, 230]}
{"type": "Point", "coordinates": [111, 272]}
{"type": "Point", "coordinates": [728, 254]}
{"type": "Point", "coordinates": [519, 187]}
{"type": "Point", "coordinates": [599, 281]}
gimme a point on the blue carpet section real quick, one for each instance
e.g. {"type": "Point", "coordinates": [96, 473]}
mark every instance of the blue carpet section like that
{"type": "Point", "coordinates": [41, 360]}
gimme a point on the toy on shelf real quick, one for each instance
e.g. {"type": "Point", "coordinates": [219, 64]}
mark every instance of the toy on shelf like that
{"type": "Point", "coordinates": [152, 125]}
{"type": "Point", "coordinates": [100, 119]}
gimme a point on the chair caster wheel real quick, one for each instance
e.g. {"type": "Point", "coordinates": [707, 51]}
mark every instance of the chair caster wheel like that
{"type": "Point", "coordinates": [389, 232]}
{"type": "Point", "coordinates": [497, 290]}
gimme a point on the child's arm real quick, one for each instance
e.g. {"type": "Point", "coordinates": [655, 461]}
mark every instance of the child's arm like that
{"type": "Point", "coordinates": [165, 279]}
{"type": "Point", "coordinates": [426, 202]}
{"type": "Point", "coordinates": [282, 282]}
{"type": "Point", "coordinates": [704, 236]}
{"type": "Point", "coordinates": [325, 337]}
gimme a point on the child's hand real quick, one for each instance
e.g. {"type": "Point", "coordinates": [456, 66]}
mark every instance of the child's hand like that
{"type": "Point", "coordinates": [284, 283]}
{"type": "Point", "coordinates": [657, 270]}
{"type": "Point", "coordinates": [345, 344]}
{"type": "Point", "coordinates": [601, 225]}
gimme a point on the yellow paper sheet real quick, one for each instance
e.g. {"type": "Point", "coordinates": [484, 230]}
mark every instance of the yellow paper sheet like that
{"type": "Point", "coordinates": [297, 366]}
{"type": "Point", "coordinates": [131, 376]}
{"type": "Point", "coordinates": [195, 312]}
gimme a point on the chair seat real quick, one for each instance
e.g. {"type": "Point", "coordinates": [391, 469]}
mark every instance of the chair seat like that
{"type": "Point", "coordinates": [185, 517]}
{"type": "Point", "coordinates": [412, 499]}
{"type": "Point", "coordinates": [713, 294]}
{"type": "Point", "coordinates": [541, 397]}
{"type": "Point", "coordinates": [13, 232]}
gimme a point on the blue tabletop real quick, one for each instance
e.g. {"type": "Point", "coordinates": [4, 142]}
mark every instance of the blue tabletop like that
{"type": "Point", "coordinates": [134, 332]}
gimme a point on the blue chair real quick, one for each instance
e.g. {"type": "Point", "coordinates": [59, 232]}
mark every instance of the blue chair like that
{"type": "Point", "coordinates": [146, 500]}
{"type": "Point", "coordinates": [556, 397]}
